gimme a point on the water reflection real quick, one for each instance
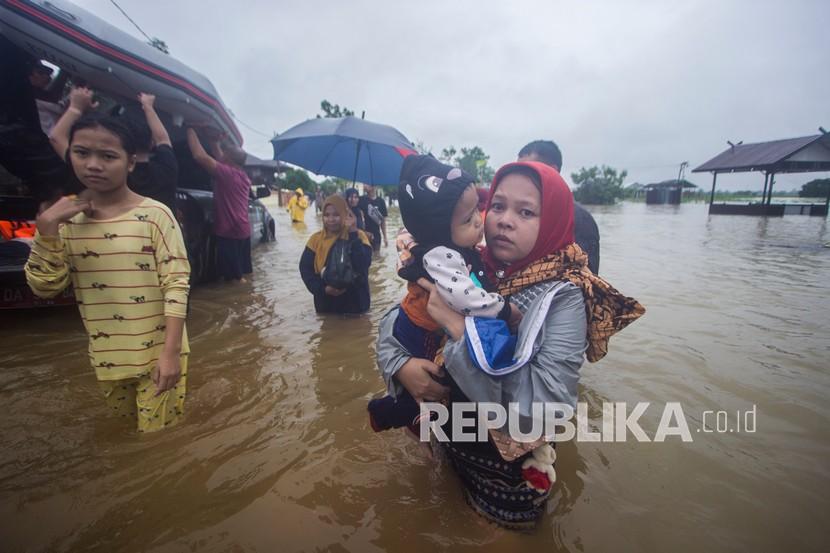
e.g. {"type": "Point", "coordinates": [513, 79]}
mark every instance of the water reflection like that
{"type": "Point", "coordinates": [337, 370]}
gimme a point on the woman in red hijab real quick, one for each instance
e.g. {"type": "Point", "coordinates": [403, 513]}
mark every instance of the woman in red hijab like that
{"type": "Point", "coordinates": [568, 314]}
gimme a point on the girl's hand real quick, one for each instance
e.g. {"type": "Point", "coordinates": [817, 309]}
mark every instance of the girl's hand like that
{"type": "Point", "coordinates": [81, 98]}
{"type": "Point", "coordinates": [441, 313]}
{"type": "Point", "coordinates": [332, 291]}
{"type": "Point", "coordinates": [60, 212]}
{"type": "Point", "coordinates": [416, 376]}
{"type": "Point", "coordinates": [167, 372]}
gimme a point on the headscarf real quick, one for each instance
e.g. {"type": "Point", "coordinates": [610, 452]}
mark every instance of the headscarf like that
{"type": "Point", "coordinates": [322, 241]}
{"type": "Point", "coordinates": [556, 224]}
{"type": "Point", "coordinates": [483, 198]}
{"type": "Point", "coordinates": [361, 223]}
{"type": "Point", "coordinates": [555, 256]}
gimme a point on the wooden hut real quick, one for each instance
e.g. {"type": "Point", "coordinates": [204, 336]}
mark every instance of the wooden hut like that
{"type": "Point", "coordinates": [792, 155]}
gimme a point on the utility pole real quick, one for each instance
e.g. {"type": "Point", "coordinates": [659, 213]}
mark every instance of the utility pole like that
{"type": "Point", "coordinates": [682, 172]}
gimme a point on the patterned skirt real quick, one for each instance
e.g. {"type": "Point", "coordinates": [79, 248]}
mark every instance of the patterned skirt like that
{"type": "Point", "coordinates": [493, 487]}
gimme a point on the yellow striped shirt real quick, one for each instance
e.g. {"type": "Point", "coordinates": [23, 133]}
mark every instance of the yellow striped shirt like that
{"type": "Point", "coordinates": [128, 274]}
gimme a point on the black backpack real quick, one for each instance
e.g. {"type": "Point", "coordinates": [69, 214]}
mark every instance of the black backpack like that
{"type": "Point", "coordinates": [338, 272]}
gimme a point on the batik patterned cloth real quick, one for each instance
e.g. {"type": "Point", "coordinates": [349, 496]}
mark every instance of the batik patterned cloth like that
{"type": "Point", "coordinates": [607, 309]}
{"type": "Point", "coordinates": [495, 488]}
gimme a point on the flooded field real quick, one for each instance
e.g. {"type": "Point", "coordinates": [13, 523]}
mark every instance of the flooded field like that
{"type": "Point", "coordinates": [276, 454]}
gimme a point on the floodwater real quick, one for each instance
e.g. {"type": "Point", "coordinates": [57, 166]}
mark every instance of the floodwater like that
{"type": "Point", "coordinates": [275, 453]}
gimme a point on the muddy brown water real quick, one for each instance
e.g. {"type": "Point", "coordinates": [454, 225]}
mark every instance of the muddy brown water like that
{"type": "Point", "coordinates": [275, 453]}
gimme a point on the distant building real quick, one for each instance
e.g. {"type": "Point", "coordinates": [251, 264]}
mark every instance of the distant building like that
{"type": "Point", "coordinates": [666, 192]}
{"type": "Point", "coordinates": [262, 171]}
{"type": "Point", "coordinates": [634, 191]}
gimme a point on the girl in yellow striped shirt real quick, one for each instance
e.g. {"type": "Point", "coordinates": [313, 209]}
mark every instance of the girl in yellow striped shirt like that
{"type": "Point", "coordinates": [125, 257]}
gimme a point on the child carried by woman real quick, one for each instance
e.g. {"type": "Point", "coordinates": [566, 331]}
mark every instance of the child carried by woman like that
{"type": "Point", "coordinates": [439, 208]}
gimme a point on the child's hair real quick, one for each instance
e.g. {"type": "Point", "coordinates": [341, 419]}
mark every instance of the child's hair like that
{"type": "Point", "coordinates": [546, 151]}
{"type": "Point", "coordinates": [112, 124]}
{"type": "Point", "coordinates": [524, 171]}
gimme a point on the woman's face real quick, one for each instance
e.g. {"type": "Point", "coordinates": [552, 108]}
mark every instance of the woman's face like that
{"type": "Point", "coordinates": [512, 223]}
{"type": "Point", "coordinates": [332, 221]}
{"type": "Point", "coordinates": [353, 200]}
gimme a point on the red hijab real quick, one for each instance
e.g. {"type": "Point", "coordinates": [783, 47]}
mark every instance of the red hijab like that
{"type": "Point", "coordinates": [556, 225]}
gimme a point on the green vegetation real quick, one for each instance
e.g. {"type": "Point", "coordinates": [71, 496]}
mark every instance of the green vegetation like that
{"type": "Point", "coordinates": [634, 193]}
{"type": "Point", "coordinates": [333, 110]}
{"type": "Point", "coordinates": [598, 185]}
{"type": "Point", "coordinates": [297, 178]}
{"type": "Point", "coordinates": [472, 160]}
{"type": "Point", "coordinates": [816, 188]}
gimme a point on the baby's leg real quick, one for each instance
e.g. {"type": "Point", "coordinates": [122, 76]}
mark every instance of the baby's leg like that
{"type": "Point", "coordinates": [388, 412]}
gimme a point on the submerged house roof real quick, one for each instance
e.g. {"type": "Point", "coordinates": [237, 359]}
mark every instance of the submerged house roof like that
{"type": "Point", "coordinates": [672, 183]}
{"type": "Point", "coordinates": [791, 155]}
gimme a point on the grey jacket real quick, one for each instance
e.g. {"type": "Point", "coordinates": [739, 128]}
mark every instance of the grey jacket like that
{"type": "Point", "coordinates": [554, 320]}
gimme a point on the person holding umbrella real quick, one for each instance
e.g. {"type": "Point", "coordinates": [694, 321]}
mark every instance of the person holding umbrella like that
{"type": "Point", "coordinates": [349, 148]}
{"type": "Point", "coordinates": [353, 201]}
{"type": "Point", "coordinates": [375, 214]}
{"type": "Point", "coordinates": [297, 206]}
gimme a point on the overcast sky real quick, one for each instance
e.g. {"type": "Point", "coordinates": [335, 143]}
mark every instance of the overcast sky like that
{"type": "Point", "coordinates": [638, 85]}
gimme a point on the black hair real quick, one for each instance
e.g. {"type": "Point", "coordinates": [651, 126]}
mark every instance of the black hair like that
{"type": "Point", "coordinates": [114, 125]}
{"type": "Point", "coordinates": [524, 171]}
{"type": "Point", "coordinates": [546, 150]}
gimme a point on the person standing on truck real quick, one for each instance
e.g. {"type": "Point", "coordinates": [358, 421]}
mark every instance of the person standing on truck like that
{"type": "Point", "coordinates": [48, 93]}
{"type": "Point", "coordinates": [24, 148]}
{"type": "Point", "coordinates": [156, 173]}
{"type": "Point", "coordinates": [231, 189]}
{"type": "Point", "coordinates": [375, 214]}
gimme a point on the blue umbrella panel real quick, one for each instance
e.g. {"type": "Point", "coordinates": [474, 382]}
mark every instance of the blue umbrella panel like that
{"type": "Point", "coordinates": [347, 147]}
